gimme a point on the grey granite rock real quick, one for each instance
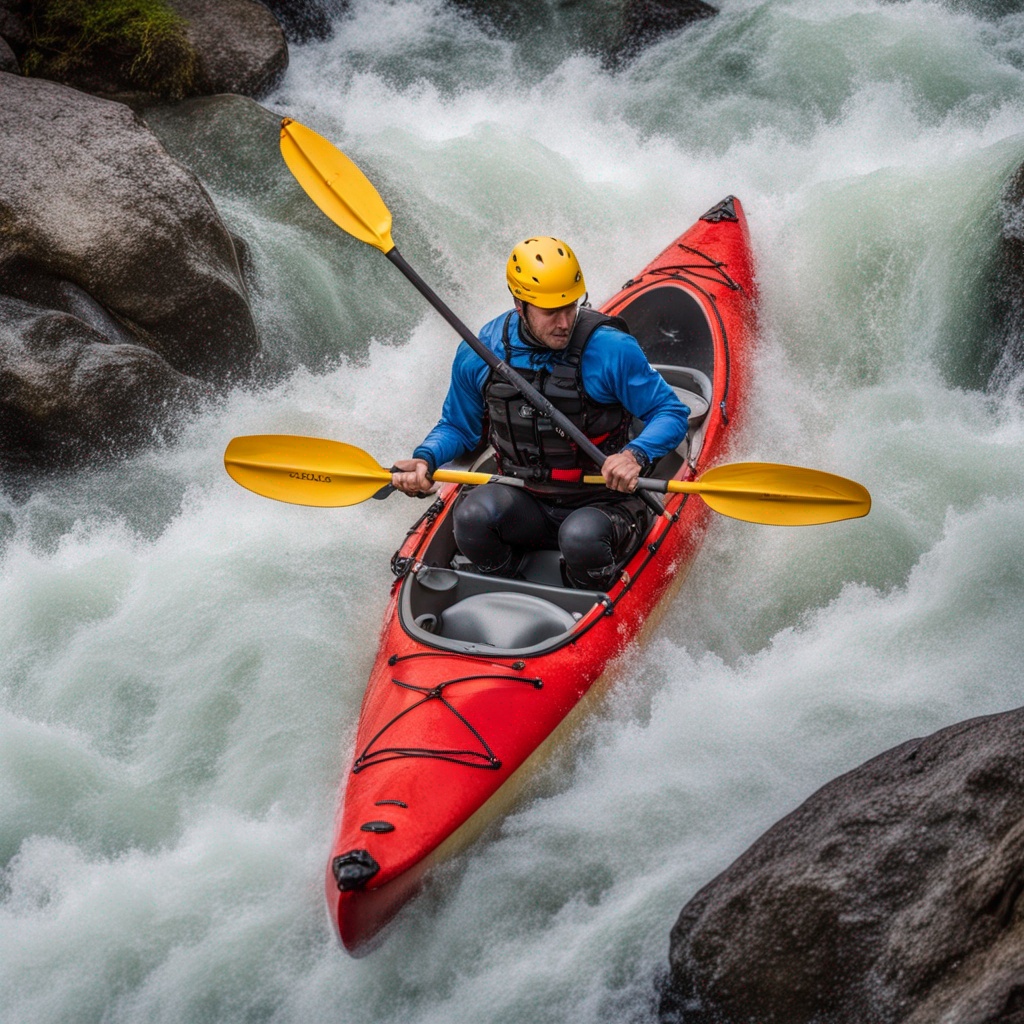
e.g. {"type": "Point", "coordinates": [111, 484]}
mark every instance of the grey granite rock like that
{"type": "Point", "coordinates": [239, 44]}
{"type": "Point", "coordinates": [70, 395]}
{"type": "Point", "coordinates": [892, 895]}
{"type": "Point", "coordinates": [117, 258]}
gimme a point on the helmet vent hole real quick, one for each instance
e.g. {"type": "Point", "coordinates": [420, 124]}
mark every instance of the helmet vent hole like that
{"type": "Point", "coordinates": [561, 253]}
{"type": "Point", "coordinates": [536, 280]}
{"type": "Point", "coordinates": [539, 258]}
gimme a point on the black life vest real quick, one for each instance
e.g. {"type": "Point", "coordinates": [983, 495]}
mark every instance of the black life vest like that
{"type": "Point", "coordinates": [526, 442]}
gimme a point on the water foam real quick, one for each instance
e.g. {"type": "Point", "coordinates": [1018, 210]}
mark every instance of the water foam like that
{"type": "Point", "coordinates": [182, 662]}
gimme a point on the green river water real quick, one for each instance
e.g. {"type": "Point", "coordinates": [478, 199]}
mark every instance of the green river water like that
{"type": "Point", "coordinates": [181, 662]}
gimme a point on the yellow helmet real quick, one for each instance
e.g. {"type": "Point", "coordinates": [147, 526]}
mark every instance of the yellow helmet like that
{"type": "Point", "coordinates": [545, 272]}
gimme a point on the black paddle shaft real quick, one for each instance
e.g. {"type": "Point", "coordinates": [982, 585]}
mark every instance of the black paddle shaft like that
{"type": "Point", "coordinates": [504, 370]}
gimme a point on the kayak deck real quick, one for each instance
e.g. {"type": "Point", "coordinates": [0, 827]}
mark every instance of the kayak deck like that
{"type": "Point", "coordinates": [476, 676]}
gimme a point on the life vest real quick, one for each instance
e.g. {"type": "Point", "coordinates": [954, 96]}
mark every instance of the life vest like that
{"type": "Point", "coordinates": [527, 444]}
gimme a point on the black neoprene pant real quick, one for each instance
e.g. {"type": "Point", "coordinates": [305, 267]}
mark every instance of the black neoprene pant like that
{"type": "Point", "coordinates": [496, 524]}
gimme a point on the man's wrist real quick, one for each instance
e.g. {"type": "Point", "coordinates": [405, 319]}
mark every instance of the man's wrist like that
{"type": "Point", "coordinates": [638, 457]}
{"type": "Point", "coordinates": [426, 456]}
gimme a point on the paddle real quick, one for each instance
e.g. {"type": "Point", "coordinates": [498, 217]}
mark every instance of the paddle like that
{"type": "Point", "coordinates": [315, 471]}
{"type": "Point", "coordinates": [345, 195]}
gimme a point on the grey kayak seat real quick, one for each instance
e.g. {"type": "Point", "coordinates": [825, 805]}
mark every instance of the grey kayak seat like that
{"type": "Point", "coordinates": [693, 388]}
{"type": "Point", "coordinates": [504, 619]}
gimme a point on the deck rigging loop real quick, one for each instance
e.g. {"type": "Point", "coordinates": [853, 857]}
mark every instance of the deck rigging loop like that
{"type": "Point", "coordinates": [401, 564]}
{"type": "Point", "coordinates": [484, 758]}
{"type": "Point", "coordinates": [518, 665]}
{"type": "Point", "coordinates": [709, 269]}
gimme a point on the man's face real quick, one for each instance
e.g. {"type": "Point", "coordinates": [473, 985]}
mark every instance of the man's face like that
{"type": "Point", "coordinates": [551, 327]}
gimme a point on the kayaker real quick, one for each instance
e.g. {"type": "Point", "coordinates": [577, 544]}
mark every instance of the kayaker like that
{"type": "Point", "coordinates": [592, 370]}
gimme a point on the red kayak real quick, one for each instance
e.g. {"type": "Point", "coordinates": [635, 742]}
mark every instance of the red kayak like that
{"type": "Point", "coordinates": [476, 676]}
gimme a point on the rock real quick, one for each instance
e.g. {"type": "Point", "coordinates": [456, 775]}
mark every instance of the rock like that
{"type": "Point", "coordinates": [645, 21]}
{"type": "Point", "coordinates": [8, 62]}
{"type": "Point", "coordinates": [1007, 290]}
{"type": "Point", "coordinates": [617, 30]}
{"type": "Point", "coordinates": [188, 48]}
{"type": "Point", "coordinates": [891, 896]}
{"type": "Point", "coordinates": [104, 237]}
{"type": "Point", "coordinates": [240, 46]}
{"type": "Point", "coordinates": [14, 24]}
{"type": "Point", "coordinates": [306, 20]}
{"type": "Point", "coordinates": [69, 396]}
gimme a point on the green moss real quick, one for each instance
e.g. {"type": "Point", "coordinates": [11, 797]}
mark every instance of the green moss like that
{"type": "Point", "coordinates": [129, 44]}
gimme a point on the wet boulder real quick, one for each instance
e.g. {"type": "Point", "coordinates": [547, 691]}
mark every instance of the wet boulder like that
{"type": "Point", "coordinates": [645, 21]}
{"type": "Point", "coordinates": [14, 23]}
{"type": "Point", "coordinates": [14, 34]}
{"type": "Point", "coordinates": [169, 50]}
{"type": "Point", "coordinates": [891, 895]}
{"type": "Point", "coordinates": [8, 62]}
{"type": "Point", "coordinates": [107, 243]}
{"type": "Point", "coordinates": [1007, 290]}
{"type": "Point", "coordinates": [239, 45]}
{"type": "Point", "coordinates": [69, 395]}
{"type": "Point", "coordinates": [617, 30]}
{"type": "Point", "coordinates": [305, 20]}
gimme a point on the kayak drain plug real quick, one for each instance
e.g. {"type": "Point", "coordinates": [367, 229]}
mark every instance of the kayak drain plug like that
{"type": "Point", "coordinates": [354, 869]}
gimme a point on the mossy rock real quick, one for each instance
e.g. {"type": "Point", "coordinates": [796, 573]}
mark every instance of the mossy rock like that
{"type": "Point", "coordinates": [169, 49]}
{"type": "Point", "coordinates": [112, 46]}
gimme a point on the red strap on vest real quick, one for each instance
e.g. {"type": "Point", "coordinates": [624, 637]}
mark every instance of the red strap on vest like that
{"type": "Point", "coordinates": [567, 476]}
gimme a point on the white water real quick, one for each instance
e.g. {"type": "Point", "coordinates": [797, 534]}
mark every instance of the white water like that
{"type": "Point", "coordinates": [181, 663]}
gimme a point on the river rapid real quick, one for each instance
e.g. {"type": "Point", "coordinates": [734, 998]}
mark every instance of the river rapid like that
{"type": "Point", "coordinates": [182, 662]}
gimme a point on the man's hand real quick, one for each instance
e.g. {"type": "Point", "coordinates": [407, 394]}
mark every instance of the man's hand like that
{"type": "Point", "coordinates": [621, 472]}
{"type": "Point", "coordinates": [412, 477]}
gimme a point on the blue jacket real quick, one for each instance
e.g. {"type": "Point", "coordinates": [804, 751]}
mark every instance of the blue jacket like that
{"type": "Point", "coordinates": [614, 368]}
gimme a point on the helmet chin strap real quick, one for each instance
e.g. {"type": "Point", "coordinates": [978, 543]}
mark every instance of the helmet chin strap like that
{"type": "Point", "coordinates": [524, 326]}
{"type": "Point", "coordinates": [580, 303]}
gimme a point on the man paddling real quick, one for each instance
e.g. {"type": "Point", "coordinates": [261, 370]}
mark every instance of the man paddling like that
{"type": "Point", "coordinates": [592, 370]}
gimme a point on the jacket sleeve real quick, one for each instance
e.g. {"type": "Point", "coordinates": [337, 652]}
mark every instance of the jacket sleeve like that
{"type": "Point", "coordinates": [616, 369]}
{"type": "Point", "coordinates": [462, 416]}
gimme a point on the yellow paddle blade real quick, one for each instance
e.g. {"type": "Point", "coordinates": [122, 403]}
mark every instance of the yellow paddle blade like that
{"type": "Point", "coordinates": [336, 185]}
{"type": "Point", "coordinates": [304, 470]}
{"type": "Point", "coordinates": [763, 492]}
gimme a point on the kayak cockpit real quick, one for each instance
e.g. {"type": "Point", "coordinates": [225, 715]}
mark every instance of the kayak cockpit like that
{"type": "Point", "coordinates": [445, 603]}
{"type": "Point", "coordinates": [470, 613]}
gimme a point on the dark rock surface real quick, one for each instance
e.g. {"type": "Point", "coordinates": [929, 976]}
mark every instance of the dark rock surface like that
{"type": "Point", "coordinates": [14, 23]}
{"type": "Point", "coordinates": [69, 395]}
{"type": "Point", "coordinates": [208, 48]}
{"type": "Point", "coordinates": [8, 62]}
{"type": "Point", "coordinates": [127, 284]}
{"type": "Point", "coordinates": [891, 896]}
{"type": "Point", "coordinates": [616, 29]}
{"type": "Point", "coordinates": [1007, 298]}
{"type": "Point", "coordinates": [305, 20]}
{"type": "Point", "coordinates": [646, 21]}
{"type": "Point", "coordinates": [240, 46]}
